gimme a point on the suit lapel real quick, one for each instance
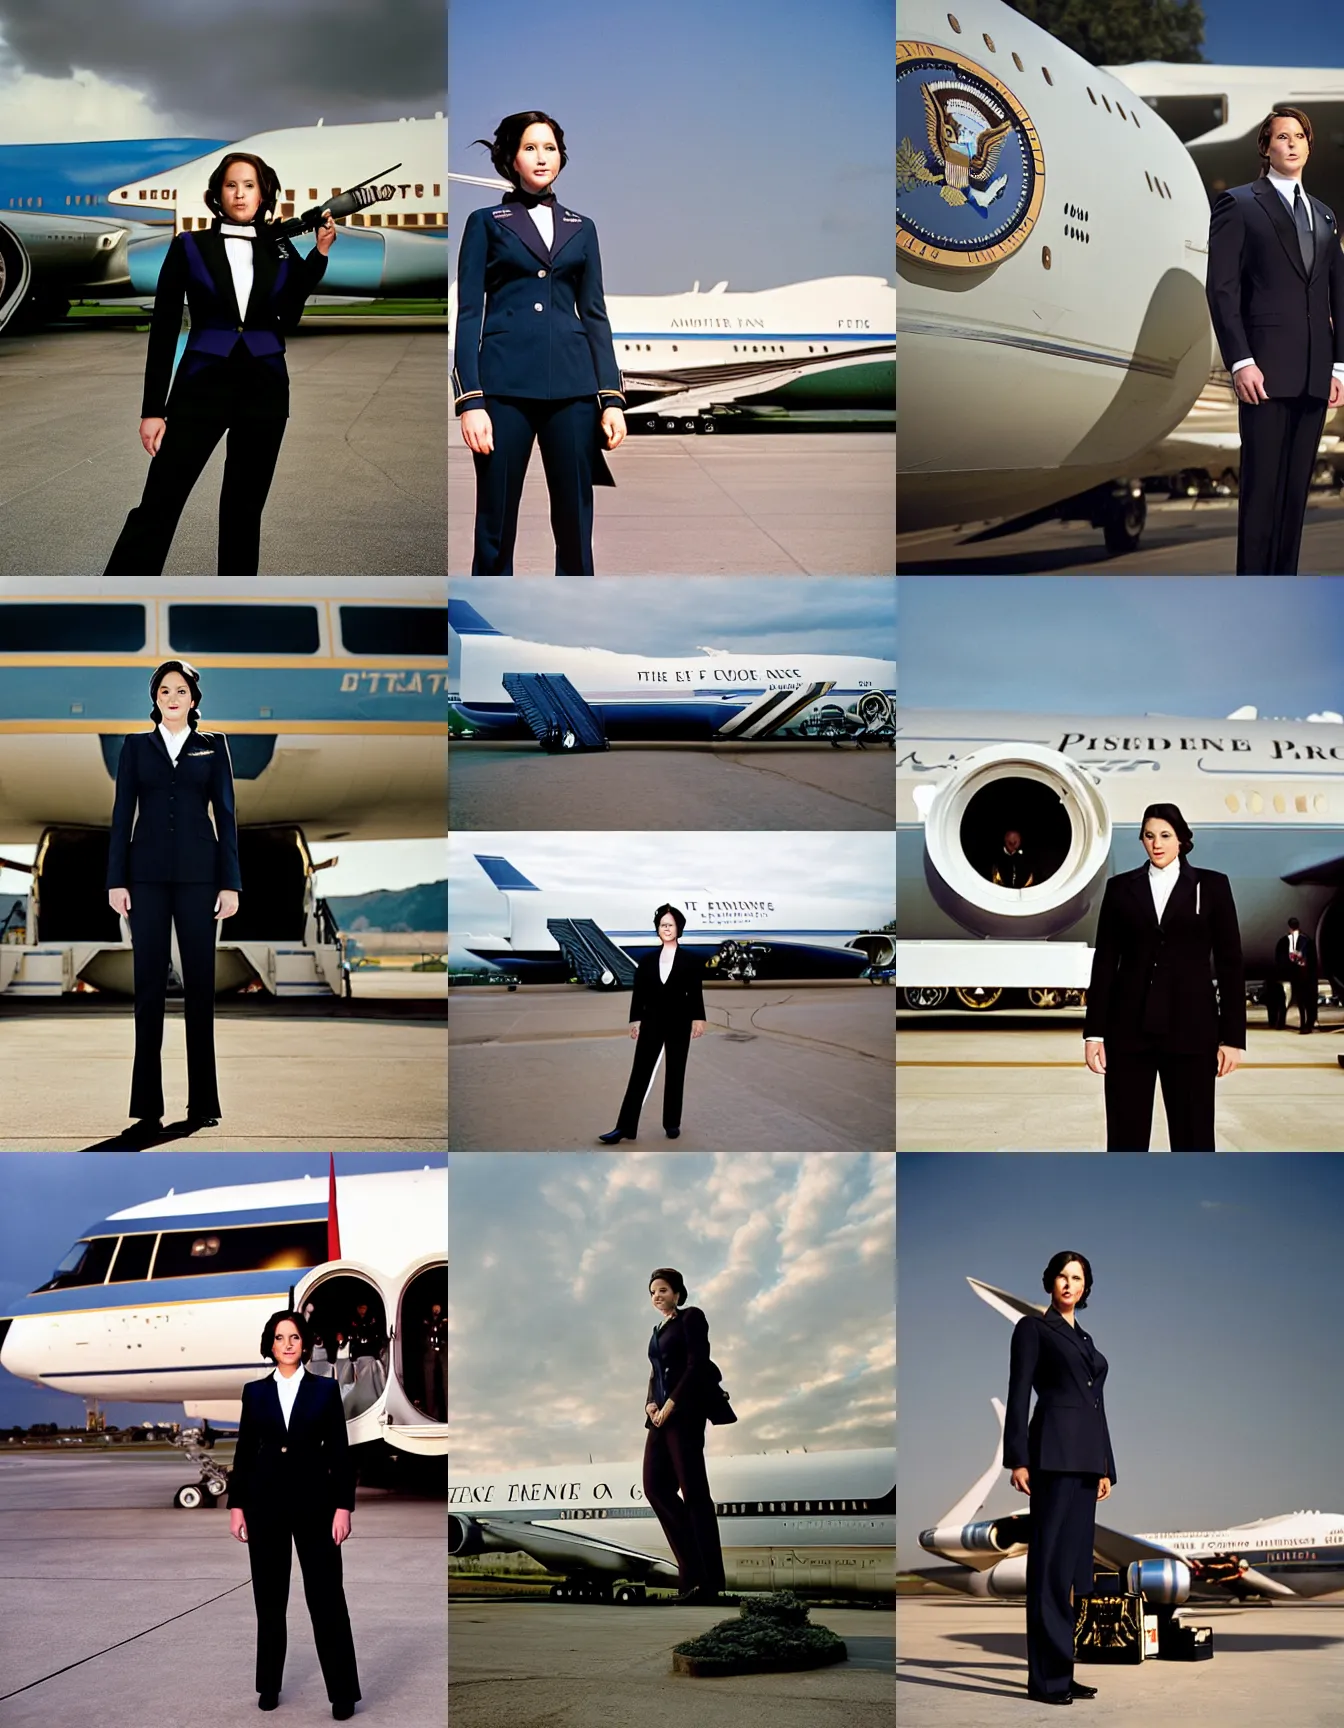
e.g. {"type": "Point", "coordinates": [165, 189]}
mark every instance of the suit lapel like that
{"type": "Point", "coordinates": [1284, 226]}
{"type": "Point", "coordinates": [265, 268]}
{"type": "Point", "coordinates": [1184, 891]}
{"type": "Point", "coordinates": [216, 258]}
{"type": "Point", "coordinates": [1143, 900]}
{"type": "Point", "coordinates": [516, 221]}
{"type": "Point", "coordinates": [156, 737]}
{"type": "Point", "coordinates": [567, 225]}
{"type": "Point", "coordinates": [1325, 235]}
{"type": "Point", "coordinates": [1059, 1325]}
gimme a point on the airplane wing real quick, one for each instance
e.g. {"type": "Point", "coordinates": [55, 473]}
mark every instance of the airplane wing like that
{"type": "Point", "coordinates": [697, 388]}
{"type": "Point", "coordinates": [565, 1550]}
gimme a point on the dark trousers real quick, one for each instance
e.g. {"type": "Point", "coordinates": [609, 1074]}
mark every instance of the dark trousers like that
{"type": "Point", "coordinates": [1304, 995]}
{"type": "Point", "coordinates": [1187, 1093]}
{"type": "Point", "coordinates": [271, 1536]}
{"type": "Point", "coordinates": [1276, 1006]}
{"type": "Point", "coordinates": [1278, 452]}
{"type": "Point", "coordinates": [567, 431]}
{"type": "Point", "coordinates": [674, 1457]}
{"type": "Point", "coordinates": [1063, 1510]}
{"type": "Point", "coordinates": [188, 443]}
{"type": "Point", "coordinates": [155, 908]}
{"type": "Point", "coordinates": [432, 1368]}
{"type": "Point", "coordinates": [676, 1040]}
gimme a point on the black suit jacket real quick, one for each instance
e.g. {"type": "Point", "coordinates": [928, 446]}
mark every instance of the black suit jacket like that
{"type": "Point", "coordinates": [689, 1374]}
{"type": "Point", "coordinates": [1285, 969]}
{"type": "Point", "coordinates": [196, 270]}
{"type": "Point", "coordinates": [676, 1003]}
{"type": "Point", "coordinates": [1068, 1428]}
{"type": "Point", "coordinates": [1151, 982]}
{"type": "Point", "coordinates": [1263, 304]}
{"type": "Point", "coordinates": [305, 1467]}
{"type": "Point", "coordinates": [173, 840]}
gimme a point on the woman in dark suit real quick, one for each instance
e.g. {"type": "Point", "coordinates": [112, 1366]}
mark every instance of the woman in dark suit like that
{"type": "Point", "coordinates": [174, 870]}
{"type": "Point", "coordinates": [667, 1010]}
{"type": "Point", "coordinates": [534, 356]}
{"type": "Point", "coordinates": [685, 1391]}
{"type": "Point", "coordinates": [1166, 931]}
{"type": "Point", "coordinates": [1062, 1459]}
{"type": "Point", "coordinates": [292, 1486]}
{"type": "Point", "coordinates": [244, 287]}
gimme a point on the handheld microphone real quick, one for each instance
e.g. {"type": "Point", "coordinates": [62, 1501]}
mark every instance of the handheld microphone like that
{"type": "Point", "coordinates": [343, 204]}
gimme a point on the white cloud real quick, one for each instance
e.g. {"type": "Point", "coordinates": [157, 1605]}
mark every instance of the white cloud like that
{"type": "Point", "coordinates": [38, 110]}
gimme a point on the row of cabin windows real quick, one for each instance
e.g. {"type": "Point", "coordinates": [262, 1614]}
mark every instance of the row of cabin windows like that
{"type": "Point", "coordinates": [1255, 803]}
{"type": "Point", "coordinates": [295, 1246]}
{"type": "Point", "coordinates": [738, 348]}
{"type": "Point", "coordinates": [157, 194]}
{"type": "Point", "coordinates": [218, 628]}
{"type": "Point", "coordinates": [430, 219]}
{"type": "Point", "coordinates": [988, 41]}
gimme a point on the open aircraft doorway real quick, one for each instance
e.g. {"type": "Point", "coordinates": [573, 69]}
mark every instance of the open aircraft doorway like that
{"type": "Point", "coordinates": [410, 1362]}
{"type": "Point", "coordinates": [336, 1293]}
{"type": "Point", "coordinates": [1028, 808]}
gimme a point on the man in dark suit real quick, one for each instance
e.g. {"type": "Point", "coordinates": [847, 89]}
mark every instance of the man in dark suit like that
{"type": "Point", "coordinates": [1276, 296]}
{"type": "Point", "coordinates": [1012, 869]}
{"type": "Point", "coordinates": [667, 1010]}
{"type": "Point", "coordinates": [1296, 965]}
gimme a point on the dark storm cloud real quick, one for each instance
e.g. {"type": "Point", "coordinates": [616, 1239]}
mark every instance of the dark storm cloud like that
{"type": "Point", "coordinates": [244, 67]}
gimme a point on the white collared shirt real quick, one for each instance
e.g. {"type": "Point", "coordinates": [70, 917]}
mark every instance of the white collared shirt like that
{"type": "Point", "coordinates": [1286, 187]}
{"type": "Point", "coordinates": [1162, 882]}
{"type": "Point", "coordinates": [665, 960]}
{"type": "Point", "coordinates": [238, 251]}
{"type": "Point", "coordinates": [288, 1390]}
{"type": "Point", "coordinates": [544, 217]}
{"type": "Point", "coordinates": [174, 740]}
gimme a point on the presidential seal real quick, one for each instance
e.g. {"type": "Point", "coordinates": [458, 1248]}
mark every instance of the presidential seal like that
{"type": "Point", "coordinates": [970, 173]}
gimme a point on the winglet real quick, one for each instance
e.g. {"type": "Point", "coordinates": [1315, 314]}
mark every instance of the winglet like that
{"type": "Point", "coordinates": [975, 1496]}
{"type": "Point", "coordinates": [467, 621]}
{"type": "Point", "coordinates": [1004, 1302]}
{"type": "Point", "coordinates": [505, 876]}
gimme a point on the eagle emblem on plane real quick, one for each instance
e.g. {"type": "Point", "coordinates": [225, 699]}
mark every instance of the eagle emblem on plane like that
{"type": "Point", "coordinates": [964, 142]}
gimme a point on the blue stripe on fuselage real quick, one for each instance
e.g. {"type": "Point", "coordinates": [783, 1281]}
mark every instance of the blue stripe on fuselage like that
{"type": "Point", "coordinates": [116, 694]}
{"type": "Point", "coordinates": [147, 1293]}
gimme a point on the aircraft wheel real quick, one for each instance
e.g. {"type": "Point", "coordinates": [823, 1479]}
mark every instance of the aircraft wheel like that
{"type": "Point", "coordinates": [1046, 998]}
{"type": "Point", "coordinates": [706, 424]}
{"type": "Point", "coordinates": [189, 1497]}
{"type": "Point", "coordinates": [625, 1594]}
{"type": "Point", "coordinates": [216, 1491]}
{"type": "Point", "coordinates": [1123, 522]}
{"type": "Point", "coordinates": [979, 998]}
{"type": "Point", "coordinates": [924, 996]}
{"type": "Point", "coordinates": [667, 424]}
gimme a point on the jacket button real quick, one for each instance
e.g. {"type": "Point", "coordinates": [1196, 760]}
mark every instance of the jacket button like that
{"type": "Point", "coordinates": [541, 272]}
{"type": "Point", "coordinates": [284, 1448]}
{"type": "Point", "coordinates": [537, 307]}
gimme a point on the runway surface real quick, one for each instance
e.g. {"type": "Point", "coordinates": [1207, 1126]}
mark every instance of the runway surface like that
{"type": "Point", "coordinates": [359, 489]}
{"type": "Point", "coordinates": [118, 1609]}
{"type": "Point", "coordinates": [740, 504]}
{"type": "Point", "coordinates": [697, 786]}
{"type": "Point", "coordinates": [782, 1068]}
{"type": "Point", "coordinates": [570, 1665]}
{"type": "Point", "coordinates": [1020, 1085]}
{"type": "Point", "coordinates": [964, 1665]}
{"type": "Point", "coordinates": [303, 1076]}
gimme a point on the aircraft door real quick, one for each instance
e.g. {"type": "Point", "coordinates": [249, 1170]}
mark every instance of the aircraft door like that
{"type": "Point", "coordinates": [349, 1314]}
{"type": "Point", "coordinates": [418, 1395]}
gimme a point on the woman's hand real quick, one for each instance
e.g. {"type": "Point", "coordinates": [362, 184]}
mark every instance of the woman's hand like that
{"type": "Point", "coordinates": [1103, 1488]}
{"type": "Point", "coordinates": [119, 899]}
{"type": "Point", "coordinates": [151, 434]}
{"type": "Point", "coordinates": [1228, 1059]}
{"type": "Point", "coordinates": [237, 1524]}
{"type": "Point", "coordinates": [478, 432]}
{"type": "Point", "coordinates": [661, 1416]}
{"type": "Point", "coordinates": [326, 233]}
{"type": "Point", "coordinates": [613, 425]}
{"type": "Point", "coordinates": [340, 1525]}
{"type": "Point", "coordinates": [651, 1410]}
{"type": "Point", "coordinates": [1021, 1479]}
{"type": "Point", "coordinates": [698, 1028]}
{"type": "Point", "coordinates": [226, 903]}
{"type": "Point", "coordinates": [634, 1028]}
{"type": "Point", "coordinates": [1094, 1054]}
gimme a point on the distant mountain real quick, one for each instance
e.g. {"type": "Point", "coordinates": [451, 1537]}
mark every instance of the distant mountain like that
{"type": "Point", "coordinates": [424, 907]}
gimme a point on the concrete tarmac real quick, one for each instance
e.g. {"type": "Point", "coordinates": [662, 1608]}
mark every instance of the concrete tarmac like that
{"type": "Point", "coordinates": [358, 491]}
{"type": "Point", "coordinates": [740, 504]}
{"type": "Point", "coordinates": [118, 1609]}
{"type": "Point", "coordinates": [782, 1068]}
{"type": "Point", "coordinates": [1183, 537]}
{"type": "Point", "coordinates": [585, 1665]}
{"type": "Point", "coordinates": [698, 787]}
{"type": "Point", "coordinates": [1020, 1085]}
{"type": "Point", "coordinates": [306, 1076]}
{"type": "Point", "coordinates": [964, 1665]}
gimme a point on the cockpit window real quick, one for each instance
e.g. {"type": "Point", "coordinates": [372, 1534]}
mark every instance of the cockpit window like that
{"type": "Point", "coordinates": [86, 1263]}
{"type": "Point", "coordinates": [246, 1248]}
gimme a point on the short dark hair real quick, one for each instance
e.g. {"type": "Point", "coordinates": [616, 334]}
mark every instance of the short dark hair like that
{"type": "Point", "coordinates": [678, 915]}
{"type": "Point", "coordinates": [1293, 924]}
{"type": "Point", "coordinates": [1057, 1264]}
{"type": "Point", "coordinates": [305, 1331]}
{"type": "Point", "coordinates": [193, 681]}
{"type": "Point", "coordinates": [671, 1276]}
{"type": "Point", "coordinates": [268, 183]}
{"type": "Point", "coordinates": [1170, 813]}
{"type": "Point", "coordinates": [508, 141]}
{"type": "Point", "coordinates": [1280, 111]}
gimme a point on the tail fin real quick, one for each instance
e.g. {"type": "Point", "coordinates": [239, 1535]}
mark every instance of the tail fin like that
{"type": "Point", "coordinates": [467, 621]}
{"type": "Point", "coordinates": [505, 876]}
{"type": "Point", "coordinates": [1003, 1302]}
{"type": "Point", "coordinates": [975, 1496]}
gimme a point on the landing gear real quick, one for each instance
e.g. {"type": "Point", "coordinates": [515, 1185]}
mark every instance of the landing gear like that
{"type": "Point", "coordinates": [582, 1590]}
{"type": "Point", "coordinates": [1123, 518]}
{"type": "Point", "coordinates": [188, 1498]}
{"type": "Point", "coordinates": [924, 996]}
{"type": "Point", "coordinates": [214, 1480]}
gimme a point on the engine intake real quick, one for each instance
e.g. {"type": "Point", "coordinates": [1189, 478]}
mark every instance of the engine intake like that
{"type": "Point", "coordinates": [1159, 1580]}
{"type": "Point", "coordinates": [988, 1536]}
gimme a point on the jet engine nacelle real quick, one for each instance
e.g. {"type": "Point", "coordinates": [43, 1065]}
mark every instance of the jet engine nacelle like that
{"type": "Point", "coordinates": [466, 1537]}
{"type": "Point", "coordinates": [1065, 827]}
{"type": "Point", "coordinates": [1159, 1580]}
{"type": "Point", "coordinates": [988, 1536]}
{"type": "Point", "coordinates": [1009, 1577]}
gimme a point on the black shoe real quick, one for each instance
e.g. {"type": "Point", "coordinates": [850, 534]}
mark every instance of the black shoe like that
{"type": "Point", "coordinates": [672, 1133]}
{"type": "Point", "coordinates": [613, 1137]}
{"type": "Point", "coordinates": [268, 1701]}
{"type": "Point", "coordinates": [1049, 1697]}
{"type": "Point", "coordinates": [1078, 1690]}
{"type": "Point", "coordinates": [343, 1712]}
{"type": "Point", "coordinates": [195, 1122]}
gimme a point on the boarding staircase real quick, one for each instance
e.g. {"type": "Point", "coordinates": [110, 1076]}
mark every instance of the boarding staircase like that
{"type": "Point", "coordinates": [559, 718]}
{"type": "Point", "coordinates": [591, 955]}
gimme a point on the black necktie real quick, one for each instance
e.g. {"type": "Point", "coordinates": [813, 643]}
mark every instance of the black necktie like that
{"type": "Point", "coordinates": [1305, 241]}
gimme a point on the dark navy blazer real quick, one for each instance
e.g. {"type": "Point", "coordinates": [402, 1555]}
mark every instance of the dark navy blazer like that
{"type": "Point", "coordinates": [196, 269]}
{"type": "Point", "coordinates": [531, 321]}
{"type": "Point", "coordinates": [1152, 983]}
{"type": "Point", "coordinates": [1068, 1427]}
{"type": "Point", "coordinates": [681, 1369]}
{"type": "Point", "coordinates": [679, 1001]}
{"type": "Point", "coordinates": [173, 840]}
{"type": "Point", "coordinates": [1264, 305]}
{"type": "Point", "coordinates": [304, 1467]}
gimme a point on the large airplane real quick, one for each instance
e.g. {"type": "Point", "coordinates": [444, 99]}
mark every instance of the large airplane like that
{"type": "Point", "coordinates": [505, 686]}
{"type": "Point", "coordinates": [164, 1302]}
{"type": "Point", "coordinates": [1295, 1555]}
{"type": "Point", "coordinates": [827, 344]}
{"type": "Point", "coordinates": [600, 933]}
{"type": "Point", "coordinates": [94, 220]}
{"type": "Point", "coordinates": [331, 692]}
{"type": "Point", "coordinates": [819, 1523]}
{"type": "Point", "coordinates": [1265, 798]}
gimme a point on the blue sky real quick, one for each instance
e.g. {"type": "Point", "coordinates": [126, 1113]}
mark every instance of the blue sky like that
{"type": "Point", "coordinates": [48, 1198]}
{"type": "Point", "coordinates": [1235, 34]}
{"type": "Point", "coordinates": [1214, 1304]}
{"type": "Point", "coordinates": [749, 141]}
{"type": "Point", "coordinates": [1200, 645]}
